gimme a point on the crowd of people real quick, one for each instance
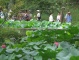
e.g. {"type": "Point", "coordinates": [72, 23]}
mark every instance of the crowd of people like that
{"type": "Point", "coordinates": [67, 17]}
{"type": "Point", "coordinates": [27, 15]}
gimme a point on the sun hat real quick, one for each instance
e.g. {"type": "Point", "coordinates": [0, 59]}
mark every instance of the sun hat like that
{"type": "Point", "coordinates": [38, 10]}
{"type": "Point", "coordinates": [68, 12]}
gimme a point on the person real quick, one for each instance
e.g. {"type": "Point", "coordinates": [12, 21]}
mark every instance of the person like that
{"type": "Point", "coordinates": [27, 16]}
{"type": "Point", "coordinates": [1, 14]}
{"type": "Point", "coordinates": [59, 17]}
{"type": "Point", "coordinates": [51, 17]}
{"type": "Point", "coordinates": [10, 14]}
{"type": "Point", "coordinates": [38, 15]}
{"type": "Point", "coordinates": [68, 17]}
{"type": "Point", "coordinates": [23, 15]}
{"type": "Point", "coordinates": [30, 14]}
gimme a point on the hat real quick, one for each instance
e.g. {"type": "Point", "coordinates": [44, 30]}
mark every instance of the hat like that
{"type": "Point", "coordinates": [38, 10]}
{"type": "Point", "coordinates": [68, 12]}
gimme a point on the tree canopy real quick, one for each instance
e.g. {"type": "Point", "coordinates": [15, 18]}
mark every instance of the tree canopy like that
{"type": "Point", "coordinates": [17, 5]}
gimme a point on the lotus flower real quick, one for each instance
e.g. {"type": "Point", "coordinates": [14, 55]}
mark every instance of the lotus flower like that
{"type": "Point", "coordinates": [3, 46]}
{"type": "Point", "coordinates": [56, 43]}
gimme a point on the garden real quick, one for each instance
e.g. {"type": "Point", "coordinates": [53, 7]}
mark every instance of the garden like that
{"type": "Point", "coordinates": [43, 41]}
{"type": "Point", "coordinates": [39, 40]}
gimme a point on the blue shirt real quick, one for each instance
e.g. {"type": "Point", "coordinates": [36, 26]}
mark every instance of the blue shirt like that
{"type": "Point", "coordinates": [68, 18]}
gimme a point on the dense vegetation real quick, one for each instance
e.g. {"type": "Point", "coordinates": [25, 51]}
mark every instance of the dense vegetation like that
{"type": "Point", "coordinates": [39, 40]}
{"type": "Point", "coordinates": [35, 4]}
{"type": "Point", "coordinates": [50, 40]}
{"type": "Point", "coordinates": [45, 5]}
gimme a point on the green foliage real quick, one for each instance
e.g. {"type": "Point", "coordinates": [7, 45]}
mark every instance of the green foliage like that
{"type": "Point", "coordinates": [74, 58]}
{"type": "Point", "coordinates": [53, 35]}
{"type": "Point", "coordinates": [1, 21]}
{"type": "Point", "coordinates": [4, 3]}
{"type": "Point", "coordinates": [35, 24]}
{"type": "Point", "coordinates": [9, 33]}
{"type": "Point", "coordinates": [17, 5]}
{"type": "Point", "coordinates": [67, 53]}
{"type": "Point", "coordinates": [40, 50]}
{"type": "Point", "coordinates": [76, 43]}
{"type": "Point", "coordinates": [28, 51]}
{"type": "Point", "coordinates": [47, 31]}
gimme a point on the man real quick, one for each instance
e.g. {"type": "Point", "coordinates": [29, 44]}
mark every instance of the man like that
{"type": "Point", "coordinates": [68, 17]}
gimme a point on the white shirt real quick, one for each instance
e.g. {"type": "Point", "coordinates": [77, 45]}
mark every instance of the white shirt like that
{"type": "Point", "coordinates": [38, 15]}
{"type": "Point", "coordinates": [1, 15]}
{"type": "Point", "coordinates": [58, 17]}
{"type": "Point", "coordinates": [51, 18]}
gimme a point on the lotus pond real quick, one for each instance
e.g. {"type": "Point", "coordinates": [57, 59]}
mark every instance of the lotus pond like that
{"type": "Point", "coordinates": [49, 41]}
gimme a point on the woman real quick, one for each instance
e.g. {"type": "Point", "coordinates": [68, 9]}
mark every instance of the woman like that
{"type": "Point", "coordinates": [51, 17]}
{"type": "Point", "coordinates": [59, 17]}
{"type": "Point", "coordinates": [38, 15]}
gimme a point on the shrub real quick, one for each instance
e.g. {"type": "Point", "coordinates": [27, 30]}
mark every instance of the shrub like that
{"type": "Point", "coordinates": [1, 21]}
{"type": "Point", "coordinates": [53, 35]}
{"type": "Point", "coordinates": [9, 33]}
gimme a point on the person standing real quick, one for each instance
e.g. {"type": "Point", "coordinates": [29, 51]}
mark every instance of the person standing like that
{"type": "Point", "coordinates": [68, 17]}
{"type": "Point", "coordinates": [38, 15]}
{"type": "Point", "coordinates": [27, 16]}
{"type": "Point", "coordinates": [59, 17]}
{"type": "Point", "coordinates": [51, 17]}
{"type": "Point", "coordinates": [1, 14]}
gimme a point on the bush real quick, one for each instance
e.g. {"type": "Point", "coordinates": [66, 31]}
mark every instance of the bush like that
{"type": "Point", "coordinates": [52, 35]}
{"type": "Point", "coordinates": [10, 33]}
{"type": "Point", "coordinates": [1, 21]}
